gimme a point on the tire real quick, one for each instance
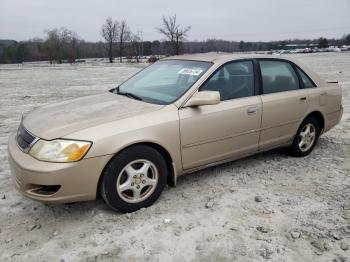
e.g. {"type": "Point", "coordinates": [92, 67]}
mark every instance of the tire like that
{"type": "Point", "coordinates": [123, 185]}
{"type": "Point", "coordinates": [298, 149]}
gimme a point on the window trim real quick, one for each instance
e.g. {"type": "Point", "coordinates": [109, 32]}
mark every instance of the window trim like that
{"type": "Point", "coordinates": [293, 65]}
{"type": "Point", "coordinates": [256, 80]}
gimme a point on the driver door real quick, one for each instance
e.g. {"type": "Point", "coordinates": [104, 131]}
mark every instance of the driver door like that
{"type": "Point", "coordinates": [229, 129]}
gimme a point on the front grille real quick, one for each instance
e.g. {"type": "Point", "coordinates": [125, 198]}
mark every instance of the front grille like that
{"type": "Point", "coordinates": [24, 138]}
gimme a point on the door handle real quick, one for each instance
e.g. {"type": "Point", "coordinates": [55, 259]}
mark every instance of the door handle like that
{"type": "Point", "coordinates": [324, 94]}
{"type": "Point", "coordinates": [252, 110]}
{"type": "Point", "coordinates": [302, 99]}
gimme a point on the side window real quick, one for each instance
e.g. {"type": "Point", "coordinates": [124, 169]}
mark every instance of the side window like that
{"type": "Point", "coordinates": [278, 76]}
{"type": "Point", "coordinates": [233, 80]}
{"type": "Point", "coordinates": [306, 80]}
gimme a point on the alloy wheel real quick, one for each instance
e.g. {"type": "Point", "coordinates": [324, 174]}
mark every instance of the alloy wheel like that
{"type": "Point", "coordinates": [307, 137]}
{"type": "Point", "coordinates": [137, 181]}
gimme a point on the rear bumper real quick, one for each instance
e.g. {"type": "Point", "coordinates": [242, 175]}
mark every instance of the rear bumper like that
{"type": "Point", "coordinates": [72, 182]}
{"type": "Point", "coordinates": [332, 119]}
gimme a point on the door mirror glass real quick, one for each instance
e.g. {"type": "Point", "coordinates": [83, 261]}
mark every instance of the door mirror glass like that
{"type": "Point", "coordinates": [204, 98]}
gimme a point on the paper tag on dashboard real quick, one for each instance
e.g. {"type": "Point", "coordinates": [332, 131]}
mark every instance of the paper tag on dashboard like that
{"type": "Point", "coordinates": [190, 71]}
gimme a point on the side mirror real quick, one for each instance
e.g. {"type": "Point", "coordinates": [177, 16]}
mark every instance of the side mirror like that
{"type": "Point", "coordinates": [204, 98]}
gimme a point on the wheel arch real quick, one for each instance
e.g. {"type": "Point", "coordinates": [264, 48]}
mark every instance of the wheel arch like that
{"type": "Point", "coordinates": [171, 178]}
{"type": "Point", "coordinates": [319, 117]}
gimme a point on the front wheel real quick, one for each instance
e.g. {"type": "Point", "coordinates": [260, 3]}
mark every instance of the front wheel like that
{"type": "Point", "coordinates": [306, 137]}
{"type": "Point", "coordinates": [134, 179]}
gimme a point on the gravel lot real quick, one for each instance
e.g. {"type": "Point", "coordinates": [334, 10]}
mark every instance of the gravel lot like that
{"type": "Point", "coordinates": [269, 206]}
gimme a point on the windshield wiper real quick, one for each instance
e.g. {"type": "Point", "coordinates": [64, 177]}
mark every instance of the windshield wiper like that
{"type": "Point", "coordinates": [131, 95]}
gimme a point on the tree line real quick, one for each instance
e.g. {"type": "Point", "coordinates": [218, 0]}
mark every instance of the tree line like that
{"type": "Point", "coordinates": [63, 45]}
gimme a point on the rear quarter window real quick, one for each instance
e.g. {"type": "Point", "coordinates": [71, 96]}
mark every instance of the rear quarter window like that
{"type": "Point", "coordinates": [307, 82]}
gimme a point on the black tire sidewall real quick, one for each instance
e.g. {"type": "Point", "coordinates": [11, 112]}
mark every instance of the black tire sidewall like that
{"type": "Point", "coordinates": [295, 149]}
{"type": "Point", "coordinates": [116, 165]}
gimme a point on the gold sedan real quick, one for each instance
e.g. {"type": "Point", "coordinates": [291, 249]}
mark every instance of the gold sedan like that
{"type": "Point", "coordinates": [176, 116]}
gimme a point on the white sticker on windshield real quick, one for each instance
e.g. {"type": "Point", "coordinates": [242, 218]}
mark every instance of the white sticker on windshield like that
{"type": "Point", "coordinates": [190, 71]}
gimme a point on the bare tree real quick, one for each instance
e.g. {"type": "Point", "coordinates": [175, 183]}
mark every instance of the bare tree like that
{"type": "Point", "coordinates": [51, 46]}
{"type": "Point", "coordinates": [110, 34]}
{"type": "Point", "coordinates": [61, 44]}
{"type": "Point", "coordinates": [124, 36]}
{"type": "Point", "coordinates": [70, 44]}
{"type": "Point", "coordinates": [135, 46]}
{"type": "Point", "coordinates": [173, 32]}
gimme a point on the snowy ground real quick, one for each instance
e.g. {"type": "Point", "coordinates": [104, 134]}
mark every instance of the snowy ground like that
{"type": "Point", "coordinates": [269, 206]}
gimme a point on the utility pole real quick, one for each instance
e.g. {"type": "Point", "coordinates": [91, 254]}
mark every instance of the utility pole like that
{"type": "Point", "coordinates": [142, 43]}
{"type": "Point", "coordinates": [140, 46]}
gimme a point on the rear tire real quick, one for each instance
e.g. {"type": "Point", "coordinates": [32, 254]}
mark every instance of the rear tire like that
{"type": "Point", "coordinates": [134, 179]}
{"type": "Point", "coordinates": [306, 137]}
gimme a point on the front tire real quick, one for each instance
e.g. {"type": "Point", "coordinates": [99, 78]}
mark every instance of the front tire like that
{"type": "Point", "coordinates": [134, 179]}
{"type": "Point", "coordinates": [306, 137]}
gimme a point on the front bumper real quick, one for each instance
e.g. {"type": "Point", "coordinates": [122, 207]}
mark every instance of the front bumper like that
{"type": "Point", "coordinates": [76, 181]}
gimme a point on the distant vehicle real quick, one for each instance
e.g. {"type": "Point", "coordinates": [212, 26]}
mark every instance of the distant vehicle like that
{"type": "Point", "coordinates": [345, 48]}
{"type": "Point", "coordinates": [306, 50]}
{"type": "Point", "coordinates": [152, 59]}
{"type": "Point", "coordinates": [334, 49]}
{"type": "Point", "coordinates": [178, 115]}
{"type": "Point", "coordinates": [285, 52]}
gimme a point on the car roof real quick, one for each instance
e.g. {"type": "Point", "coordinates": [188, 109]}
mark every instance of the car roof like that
{"type": "Point", "coordinates": [221, 58]}
{"type": "Point", "coordinates": [217, 57]}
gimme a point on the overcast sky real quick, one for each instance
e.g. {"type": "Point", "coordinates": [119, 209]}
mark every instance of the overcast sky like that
{"type": "Point", "coordinates": [249, 20]}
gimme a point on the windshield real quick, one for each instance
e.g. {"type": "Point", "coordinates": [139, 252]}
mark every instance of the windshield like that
{"type": "Point", "coordinates": [164, 81]}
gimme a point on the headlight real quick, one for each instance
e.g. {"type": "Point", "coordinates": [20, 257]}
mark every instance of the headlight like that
{"type": "Point", "coordinates": [59, 150]}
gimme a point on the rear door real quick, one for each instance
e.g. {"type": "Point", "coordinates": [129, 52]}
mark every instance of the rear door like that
{"type": "Point", "coordinates": [284, 100]}
{"type": "Point", "coordinates": [325, 98]}
{"type": "Point", "coordinates": [217, 132]}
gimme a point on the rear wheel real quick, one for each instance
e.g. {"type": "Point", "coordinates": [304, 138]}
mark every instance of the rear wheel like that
{"type": "Point", "coordinates": [306, 137]}
{"type": "Point", "coordinates": [134, 179]}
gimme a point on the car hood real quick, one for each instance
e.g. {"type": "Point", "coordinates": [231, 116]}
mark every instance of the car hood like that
{"type": "Point", "coordinates": [61, 119]}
